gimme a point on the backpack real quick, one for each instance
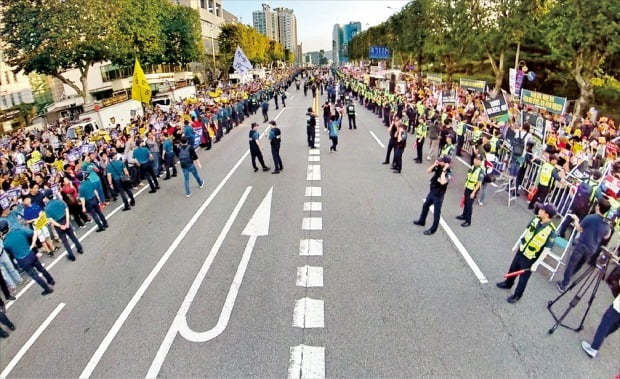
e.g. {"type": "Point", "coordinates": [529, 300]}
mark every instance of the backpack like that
{"type": "Point", "coordinates": [518, 145]}
{"type": "Point", "coordinates": [581, 201]}
{"type": "Point", "coordinates": [184, 157]}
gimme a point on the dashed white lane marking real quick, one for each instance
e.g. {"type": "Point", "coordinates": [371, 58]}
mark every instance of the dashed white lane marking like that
{"type": "Point", "coordinates": [313, 172]}
{"type": "Point", "coordinates": [315, 152]}
{"type": "Point", "coordinates": [376, 138]}
{"type": "Point", "coordinates": [314, 158]}
{"type": "Point", "coordinates": [311, 247]}
{"type": "Point", "coordinates": [313, 191]}
{"type": "Point", "coordinates": [306, 362]}
{"type": "Point", "coordinates": [317, 139]}
{"type": "Point", "coordinates": [7, 370]}
{"type": "Point", "coordinates": [313, 206]}
{"type": "Point", "coordinates": [464, 253]}
{"type": "Point", "coordinates": [317, 145]}
{"type": "Point", "coordinates": [309, 313]}
{"type": "Point", "coordinates": [309, 276]}
{"type": "Point", "coordinates": [312, 223]}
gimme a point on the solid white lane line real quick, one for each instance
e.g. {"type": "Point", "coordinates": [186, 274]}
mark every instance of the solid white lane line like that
{"type": "Point", "coordinates": [64, 253]}
{"type": "Point", "coordinates": [310, 247]}
{"type": "Point", "coordinates": [313, 172]}
{"type": "Point", "coordinates": [313, 206]}
{"type": "Point", "coordinates": [463, 161]}
{"type": "Point", "coordinates": [314, 158]}
{"type": "Point", "coordinates": [309, 276]}
{"type": "Point", "coordinates": [313, 191]}
{"type": "Point", "coordinates": [92, 364]}
{"type": "Point", "coordinates": [376, 138]}
{"type": "Point", "coordinates": [312, 223]}
{"type": "Point", "coordinates": [306, 362]}
{"type": "Point", "coordinates": [7, 370]}
{"type": "Point", "coordinates": [462, 250]}
{"type": "Point", "coordinates": [309, 313]}
{"type": "Point", "coordinates": [279, 114]}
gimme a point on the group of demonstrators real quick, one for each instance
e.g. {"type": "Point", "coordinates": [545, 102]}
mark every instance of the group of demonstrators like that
{"type": "Point", "coordinates": [47, 178]}
{"type": "Point", "coordinates": [579, 154]}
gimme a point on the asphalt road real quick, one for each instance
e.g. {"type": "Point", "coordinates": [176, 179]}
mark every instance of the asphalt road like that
{"type": "Point", "coordinates": [390, 301]}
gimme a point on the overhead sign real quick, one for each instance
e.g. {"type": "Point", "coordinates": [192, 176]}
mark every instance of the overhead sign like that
{"type": "Point", "coordinates": [435, 78]}
{"type": "Point", "coordinates": [550, 103]}
{"type": "Point", "coordinates": [473, 85]}
{"type": "Point", "coordinates": [379, 52]}
{"type": "Point", "coordinates": [496, 107]}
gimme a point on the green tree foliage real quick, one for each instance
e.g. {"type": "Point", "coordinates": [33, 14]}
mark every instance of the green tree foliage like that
{"type": "Point", "coordinates": [183, 43]}
{"type": "Point", "coordinates": [258, 48]}
{"type": "Point", "coordinates": [583, 34]}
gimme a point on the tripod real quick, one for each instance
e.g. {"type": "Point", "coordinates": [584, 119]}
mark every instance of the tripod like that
{"type": "Point", "coordinates": [592, 276]}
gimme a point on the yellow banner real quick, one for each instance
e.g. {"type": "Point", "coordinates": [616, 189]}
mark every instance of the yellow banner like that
{"type": "Point", "coordinates": [140, 89]}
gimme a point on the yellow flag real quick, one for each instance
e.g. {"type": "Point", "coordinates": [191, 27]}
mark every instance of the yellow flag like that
{"type": "Point", "coordinates": [140, 89]}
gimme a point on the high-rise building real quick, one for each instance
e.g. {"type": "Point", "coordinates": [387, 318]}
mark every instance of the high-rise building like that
{"type": "Point", "coordinates": [266, 22]}
{"type": "Point", "coordinates": [287, 31]}
{"type": "Point", "coordinates": [211, 17]}
{"type": "Point", "coordinates": [341, 37]}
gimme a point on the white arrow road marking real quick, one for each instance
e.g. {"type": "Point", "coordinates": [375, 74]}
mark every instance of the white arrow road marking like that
{"type": "Point", "coordinates": [310, 247]}
{"type": "Point", "coordinates": [257, 226]}
{"type": "Point", "coordinates": [313, 206]}
{"type": "Point", "coordinates": [309, 313]}
{"type": "Point", "coordinates": [313, 172]}
{"type": "Point", "coordinates": [306, 362]}
{"type": "Point", "coordinates": [309, 276]}
{"type": "Point", "coordinates": [376, 138]}
{"type": "Point", "coordinates": [7, 370]}
{"type": "Point", "coordinates": [313, 191]}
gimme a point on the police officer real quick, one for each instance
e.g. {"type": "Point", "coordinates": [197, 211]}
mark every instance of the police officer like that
{"type": "Point", "coordinates": [548, 172]}
{"type": "Point", "coordinates": [19, 243]}
{"type": "Point", "coordinates": [275, 138]}
{"type": "Point", "coordinates": [255, 151]}
{"type": "Point", "coordinates": [439, 183]}
{"type": "Point", "coordinates": [531, 249]}
{"type": "Point", "coordinates": [144, 157]}
{"type": "Point", "coordinates": [58, 214]}
{"type": "Point", "coordinates": [393, 132]}
{"type": "Point", "coordinates": [89, 198]}
{"type": "Point", "coordinates": [420, 135]}
{"type": "Point", "coordinates": [473, 182]}
{"type": "Point", "coordinates": [460, 136]}
{"type": "Point", "coordinates": [351, 115]}
{"type": "Point", "coordinates": [310, 127]}
{"type": "Point", "coordinates": [399, 147]}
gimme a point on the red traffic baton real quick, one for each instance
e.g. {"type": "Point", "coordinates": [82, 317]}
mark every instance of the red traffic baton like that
{"type": "Point", "coordinates": [516, 273]}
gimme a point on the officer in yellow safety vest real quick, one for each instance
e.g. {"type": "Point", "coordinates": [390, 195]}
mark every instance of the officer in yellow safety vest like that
{"type": "Point", "coordinates": [473, 182]}
{"type": "Point", "coordinates": [420, 135]}
{"type": "Point", "coordinates": [460, 136]}
{"type": "Point", "coordinates": [548, 173]}
{"type": "Point", "coordinates": [531, 249]}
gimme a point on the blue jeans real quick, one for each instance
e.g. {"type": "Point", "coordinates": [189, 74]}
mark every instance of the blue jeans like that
{"type": "Point", "coordinates": [578, 257]}
{"type": "Point", "coordinates": [186, 171]}
{"type": "Point", "coordinates": [156, 162]}
{"type": "Point", "coordinates": [609, 324]}
{"type": "Point", "coordinates": [9, 272]}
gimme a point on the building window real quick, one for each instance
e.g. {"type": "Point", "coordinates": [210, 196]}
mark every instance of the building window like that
{"type": "Point", "coordinates": [211, 6]}
{"type": "Point", "coordinates": [4, 105]}
{"type": "Point", "coordinates": [218, 10]}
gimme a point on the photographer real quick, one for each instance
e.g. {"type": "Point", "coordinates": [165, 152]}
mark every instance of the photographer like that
{"type": "Point", "coordinates": [439, 183]}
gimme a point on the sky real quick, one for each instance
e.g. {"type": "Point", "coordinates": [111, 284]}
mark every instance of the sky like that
{"type": "Point", "coordinates": [316, 18]}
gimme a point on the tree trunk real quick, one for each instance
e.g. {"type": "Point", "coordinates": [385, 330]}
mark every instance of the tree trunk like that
{"type": "Point", "coordinates": [88, 99]}
{"type": "Point", "coordinates": [586, 92]}
{"type": "Point", "coordinates": [498, 70]}
{"type": "Point", "coordinates": [69, 83]}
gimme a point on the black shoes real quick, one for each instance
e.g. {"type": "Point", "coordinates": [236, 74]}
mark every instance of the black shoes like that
{"type": "Point", "coordinates": [396, 171]}
{"type": "Point", "coordinates": [11, 298]}
{"type": "Point", "coordinates": [429, 232]}
{"type": "Point", "coordinates": [99, 230]}
{"type": "Point", "coordinates": [72, 258]}
{"type": "Point", "coordinates": [255, 169]}
{"type": "Point", "coordinates": [465, 224]}
{"type": "Point", "coordinates": [513, 299]}
{"type": "Point", "coordinates": [503, 285]}
{"type": "Point", "coordinates": [461, 217]}
{"type": "Point", "coordinates": [3, 334]}
{"type": "Point", "coordinates": [47, 292]}
{"type": "Point", "coordinates": [133, 202]}
{"type": "Point", "coordinates": [266, 168]}
{"type": "Point", "coordinates": [80, 251]}
{"type": "Point", "coordinates": [125, 209]}
{"type": "Point", "coordinates": [276, 172]}
{"type": "Point", "coordinates": [152, 191]}
{"type": "Point", "coordinates": [385, 162]}
{"type": "Point", "coordinates": [418, 222]}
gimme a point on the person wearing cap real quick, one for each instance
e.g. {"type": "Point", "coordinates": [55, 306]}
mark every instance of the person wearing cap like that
{"type": "Point", "coordinates": [531, 249]}
{"type": "Point", "coordinates": [188, 159]}
{"type": "Point", "coordinates": [399, 147]}
{"type": "Point", "coordinates": [593, 229]}
{"type": "Point", "coordinates": [58, 214]}
{"type": "Point", "coordinates": [275, 139]}
{"type": "Point", "coordinates": [255, 151]}
{"type": "Point", "coordinates": [442, 174]}
{"type": "Point", "coordinates": [19, 243]}
{"type": "Point", "coordinates": [473, 182]}
{"type": "Point", "coordinates": [548, 172]}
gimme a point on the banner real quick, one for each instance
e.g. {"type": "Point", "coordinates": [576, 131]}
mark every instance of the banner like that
{"type": "Point", "coordinates": [87, 148]}
{"type": "Point", "coordinates": [539, 100]}
{"type": "Point", "coordinates": [73, 155]}
{"type": "Point", "coordinates": [448, 97]}
{"type": "Point", "coordinates": [379, 52]}
{"type": "Point", "coordinates": [473, 85]}
{"type": "Point", "coordinates": [5, 201]}
{"type": "Point", "coordinates": [519, 82]}
{"type": "Point", "coordinates": [512, 80]}
{"type": "Point", "coordinates": [19, 169]}
{"type": "Point", "coordinates": [537, 125]}
{"type": "Point", "coordinates": [496, 107]}
{"type": "Point", "coordinates": [197, 137]}
{"type": "Point", "coordinates": [140, 88]}
{"type": "Point", "coordinates": [241, 64]}
{"type": "Point", "coordinates": [37, 166]}
{"type": "Point", "coordinates": [435, 78]}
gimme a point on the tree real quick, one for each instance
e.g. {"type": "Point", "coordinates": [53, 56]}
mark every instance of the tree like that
{"type": "Point", "coordinates": [183, 42]}
{"type": "Point", "coordinates": [258, 48]}
{"type": "Point", "coordinates": [583, 34]}
{"type": "Point", "coordinates": [51, 37]}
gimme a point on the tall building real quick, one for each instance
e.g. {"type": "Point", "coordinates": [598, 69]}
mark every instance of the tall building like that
{"type": "Point", "coordinates": [341, 37]}
{"type": "Point", "coordinates": [211, 17]}
{"type": "Point", "coordinates": [266, 22]}
{"type": "Point", "coordinates": [287, 31]}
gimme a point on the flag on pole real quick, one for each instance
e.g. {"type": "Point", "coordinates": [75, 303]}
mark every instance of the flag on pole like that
{"type": "Point", "coordinates": [241, 64]}
{"type": "Point", "coordinates": [140, 89]}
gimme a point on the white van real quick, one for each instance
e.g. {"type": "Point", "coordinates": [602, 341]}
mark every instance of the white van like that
{"type": "Point", "coordinates": [77, 130]}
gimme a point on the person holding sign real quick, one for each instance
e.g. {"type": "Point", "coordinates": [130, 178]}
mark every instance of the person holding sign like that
{"type": "Point", "coordinates": [34, 215]}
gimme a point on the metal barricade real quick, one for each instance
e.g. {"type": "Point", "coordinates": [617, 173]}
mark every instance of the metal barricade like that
{"type": "Point", "coordinates": [530, 178]}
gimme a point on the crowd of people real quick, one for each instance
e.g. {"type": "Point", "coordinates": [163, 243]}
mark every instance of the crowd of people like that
{"type": "Point", "coordinates": [51, 184]}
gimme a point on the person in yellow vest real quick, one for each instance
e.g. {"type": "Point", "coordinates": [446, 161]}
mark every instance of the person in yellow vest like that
{"type": "Point", "coordinates": [531, 249]}
{"type": "Point", "coordinates": [548, 173]}
{"type": "Point", "coordinates": [473, 182]}
{"type": "Point", "coordinates": [460, 135]}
